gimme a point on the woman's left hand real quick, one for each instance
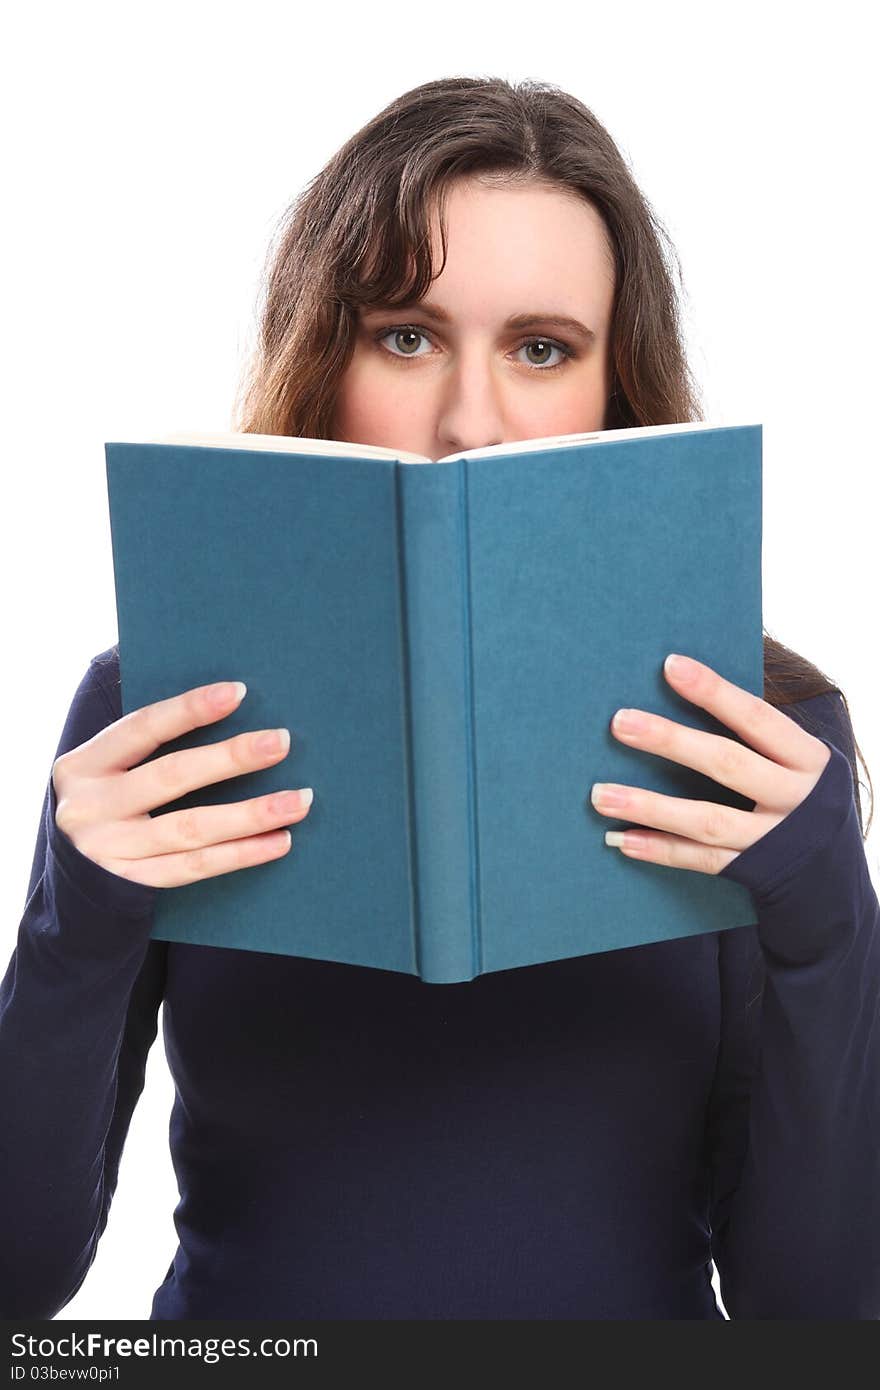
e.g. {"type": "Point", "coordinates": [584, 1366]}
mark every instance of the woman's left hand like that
{"type": "Point", "coordinates": [785, 765]}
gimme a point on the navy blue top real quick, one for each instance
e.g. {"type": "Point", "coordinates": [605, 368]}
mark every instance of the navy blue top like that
{"type": "Point", "coordinates": [578, 1139]}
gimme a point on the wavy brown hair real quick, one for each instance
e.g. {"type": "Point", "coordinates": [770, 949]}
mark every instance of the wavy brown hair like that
{"type": "Point", "coordinates": [359, 234]}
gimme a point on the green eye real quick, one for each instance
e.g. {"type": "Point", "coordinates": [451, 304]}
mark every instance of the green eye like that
{"type": "Point", "coordinates": [401, 331]}
{"type": "Point", "coordinates": [546, 344]}
{"type": "Point", "coordinates": [406, 333]}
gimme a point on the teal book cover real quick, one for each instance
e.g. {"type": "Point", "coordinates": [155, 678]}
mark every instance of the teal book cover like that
{"type": "Point", "coordinates": [447, 643]}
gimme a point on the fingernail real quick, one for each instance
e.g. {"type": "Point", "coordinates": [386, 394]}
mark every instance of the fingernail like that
{"type": "Point", "coordinates": [630, 721]}
{"type": "Point", "coordinates": [681, 666]}
{"type": "Point", "coordinates": [275, 741]}
{"type": "Point", "coordinates": [608, 794]}
{"type": "Point", "coordinates": [227, 692]}
{"type": "Point", "coordinates": [292, 801]}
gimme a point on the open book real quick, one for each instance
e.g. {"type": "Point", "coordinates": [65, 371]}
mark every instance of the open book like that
{"type": "Point", "coordinates": [447, 644]}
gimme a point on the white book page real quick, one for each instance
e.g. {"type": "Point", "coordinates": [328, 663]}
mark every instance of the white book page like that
{"type": "Point", "coordinates": [283, 443]}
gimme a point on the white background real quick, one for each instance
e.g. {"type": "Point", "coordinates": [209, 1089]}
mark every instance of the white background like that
{"type": "Point", "coordinates": [150, 150]}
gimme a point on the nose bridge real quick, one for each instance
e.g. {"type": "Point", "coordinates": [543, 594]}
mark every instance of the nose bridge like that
{"type": "Point", "coordinates": [473, 404]}
{"type": "Point", "coordinates": [475, 369]}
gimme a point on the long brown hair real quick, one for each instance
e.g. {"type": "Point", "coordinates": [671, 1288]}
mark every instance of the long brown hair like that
{"type": "Point", "coordinates": [359, 234]}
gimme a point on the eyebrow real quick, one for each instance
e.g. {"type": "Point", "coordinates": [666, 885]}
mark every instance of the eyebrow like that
{"type": "Point", "coordinates": [433, 311]}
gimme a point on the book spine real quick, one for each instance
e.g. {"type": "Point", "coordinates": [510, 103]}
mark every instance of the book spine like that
{"type": "Point", "coordinates": [435, 622]}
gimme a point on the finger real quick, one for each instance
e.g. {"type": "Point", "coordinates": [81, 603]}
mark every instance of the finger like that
{"type": "Point", "coordinates": [188, 866]}
{"type": "Point", "coordinates": [201, 826]}
{"type": "Point", "coordinates": [727, 762]}
{"type": "Point", "coordinates": [175, 774]}
{"type": "Point", "coordinates": [763, 727]}
{"type": "Point", "coordinates": [704, 822]}
{"type": "Point", "coordinates": [139, 733]}
{"type": "Point", "coordinates": [675, 852]}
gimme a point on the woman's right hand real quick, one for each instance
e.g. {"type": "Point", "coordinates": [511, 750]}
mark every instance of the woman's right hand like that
{"type": "Point", "coordinates": [104, 800]}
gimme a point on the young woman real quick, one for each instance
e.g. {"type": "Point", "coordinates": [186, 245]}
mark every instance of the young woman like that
{"type": "Point", "coordinates": [580, 1139]}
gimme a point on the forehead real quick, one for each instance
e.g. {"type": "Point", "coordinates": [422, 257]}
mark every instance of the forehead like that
{"type": "Point", "coordinates": [522, 242]}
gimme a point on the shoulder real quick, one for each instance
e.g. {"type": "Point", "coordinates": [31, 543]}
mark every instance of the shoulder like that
{"type": "Point", "coordinates": [104, 669]}
{"type": "Point", "coordinates": [808, 695]}
{"type": "Point", "coordinates": [825, 712]}
{"type": "Point", "coordinates": [826, 716]}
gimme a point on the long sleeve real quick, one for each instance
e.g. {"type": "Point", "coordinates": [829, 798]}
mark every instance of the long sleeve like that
{"type": "Point", "coordinates": [78, 1013]}
{"type": "Point", "coordinates": [794, 1122]}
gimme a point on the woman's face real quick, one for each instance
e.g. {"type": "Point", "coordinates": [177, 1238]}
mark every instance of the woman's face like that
{"type": "Point", "coordinates": [465, 376]}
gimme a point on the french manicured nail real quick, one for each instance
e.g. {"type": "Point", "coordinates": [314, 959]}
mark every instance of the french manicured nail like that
{"type": "Point", "coordinates": [681, 666]}
{"type": "Point", "coordinates": [630, 840]}
{"type": "Point", "coordinates": [276, 741]}
{"type": "Point", "coordinates": [608, 794]}
{"type": "Point", "coordinates": [630, 721]}
{"type": "Point", "coordinates": [227, 691]}
{"type": "Point", "coordinates": [292, 801]}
